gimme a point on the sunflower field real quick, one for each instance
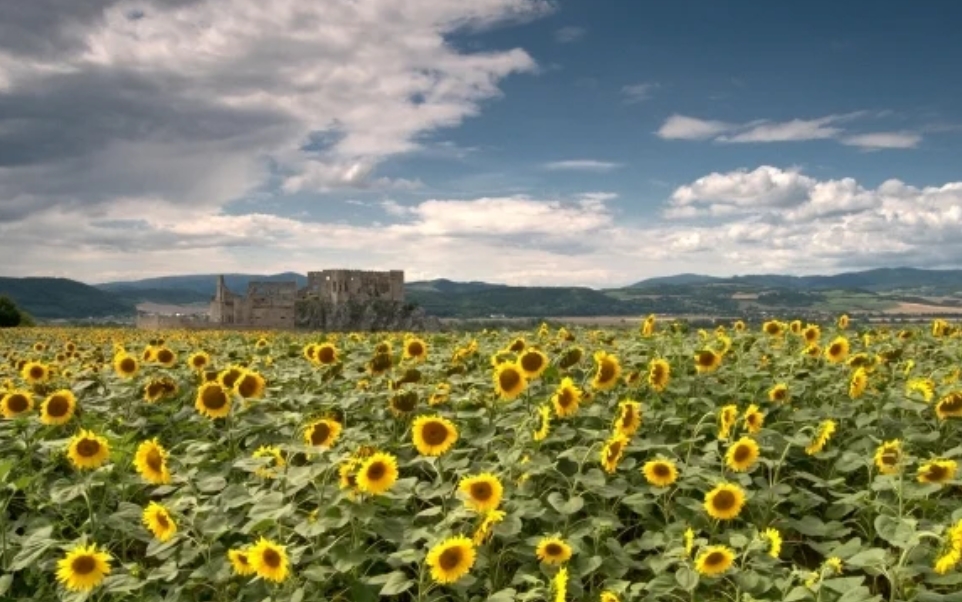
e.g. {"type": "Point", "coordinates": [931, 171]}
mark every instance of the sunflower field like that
{"type": "Point", "coordinates": [782, 461]}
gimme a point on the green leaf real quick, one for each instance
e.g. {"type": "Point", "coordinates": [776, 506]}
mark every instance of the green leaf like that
{"type": "Point", "coordinates": [32, 548]}
{"type": "Point", "coordinates": [396, 583]}
{"type": "Point", "coordinates": [686, 578]}
{"type": "Point", "coordinates": [900, 532]}
{"type": "Point", "coordinates": [505, 595]}
{"type": "Point", "coordinates": [873, 557]}
{"type": "Point", "coordinates": [5, 582]}
{"type": "Point", "coordinates": [798, 593]}
{"type": "Point", "coordinates": [212, 484]}
{"type": "Point", "coordinates": [563, 506]}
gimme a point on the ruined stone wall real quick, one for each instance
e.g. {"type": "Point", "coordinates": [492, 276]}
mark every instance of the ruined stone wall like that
{"type": "Point", "coordinates": [268, 305]}
{"type": "Point", "coordinates": [159, 322]}
{"type": "Point", "coordinates": [344, 286]}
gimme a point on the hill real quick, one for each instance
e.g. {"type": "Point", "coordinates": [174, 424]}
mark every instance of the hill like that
{"type": "Point", "coordinates": [204, 284]}
{"type": "Point", "coordinates": [61, 298]}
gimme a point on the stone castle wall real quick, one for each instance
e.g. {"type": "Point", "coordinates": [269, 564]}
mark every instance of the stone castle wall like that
{"type": "Point", "coordinates": [342, 286]}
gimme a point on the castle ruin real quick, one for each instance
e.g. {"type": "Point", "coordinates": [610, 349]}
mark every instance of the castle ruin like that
{"type": "Point", "coordinates": [272, 304]}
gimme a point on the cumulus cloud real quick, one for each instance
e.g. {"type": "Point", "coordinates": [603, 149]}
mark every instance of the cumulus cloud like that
{"type": "Point", "coordinates": [569, 34]}
{"type": "Point", "coordinates": [581, 165]}
{"type": "Point", "coordinates": [683, 127]}
{"type": "Point", "coordinates": [638, 92]}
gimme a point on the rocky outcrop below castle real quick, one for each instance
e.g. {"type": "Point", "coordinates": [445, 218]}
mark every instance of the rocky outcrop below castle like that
{"type": "Point", "coordinates": [363, 316]}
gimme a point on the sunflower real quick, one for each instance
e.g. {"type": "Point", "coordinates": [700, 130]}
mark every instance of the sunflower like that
{"type": "Point", "coordinates": [888, 456]}
{"type": "Point", "coordinates": [754, 419]}
{"type": "Point", "coordinates": [87, 450]}
{"type": "Point", "coordinates": [126, 366]}
{"type": "Point", "coordinates": [403, 403]}
{"type": "Point", "coordinates": [83, 568]}
{"type": "Point", "coordinates": [483, 492]}
{"type": "Point", "coordinates": [858, 383]}
{"type": "Point", "coordinates": [150, 461]}
{"type": "Point", "coordinates": [648, 326]}
{"type": "Point", "coordinates": [157, 519]}
{"type": "Point", "coordinates": [571, 357]}
{"type": "Point", "coordinates": [774, 539]}
{"type": "Point", "coordinates": [490, 520]}
{"type": "Point", "coordinates": [727, 417]}
{"type": "Point", "coordinates": [14, 403]}
{"type": "Point", "coordinates": [229, 377]}
{"type": "Point", "coordinates": [451, 559]}
{"type": "Point", "coordinates": [377, 473]}
{"type": "Point", "coordinates": [325, 354]}
{"type": "Point", "coordinates": [544, 413]}
{"type": "Point", "coordinates": [553, 550]}
{"type": "Point", "coordinates": [608, 371]}
{"type": "Point", "coordinates": [269, 560]}
{"type": "Point", "coordinates": [608, 596]}
{"type": "Point", "coordinates": [35, 373]}
{"type": "Point", "coordinates": [949, 406]}
{"type": "Point", "coordinates": [322, 433]}
{"type": "Point", "coordinates": [773, 328]}
{"type": "Point", "coordinates": [612, 451]}
{"type": "Point", "coordinates": [778, 393]}
{"type": "Point", "coordinates": [433, 435]}
{"type": "Point", "coordinates": [276, 461]}
{"type": "Point", "coordinates": [923, 386]}
{"type": "Point", "coordinates": [154, 390]}
{"type": "Point", "coordinates": [509, 380]}
{"type": "Point", "coordinates": [532, 362]}
{"type": "Point", "coordinates": [628, 420]}
{"type": "Point", "coordinates": [812, 333]}
{"type": "Point", "coordinates": [198, 360]}
{"type": "Point", "coordinates": [837, 350]}
{"type": "Point", "coordinates": [416, 349]}
{"type": "Point", "coordinates": [517, 346]}
{"type": "Point", "coordinates": [659, 374]}
{"type": "Point", "coordinates": [240, 562]}
{"type": "Point", "coordinates": [825, 431]}
{"type": "Point", "coordinates": [707, 360]}
{"type": "Point", "coordinates": [689, 541]}
{"type": "Point", "coordinates": [660, 472]}
{"type": "Point", "coordinates": [148, 354]}
{"type": "Point", "coordinates": [559, 583]}
{"type": "Point", "coordinates": [165, 357]}
{"type": "Point", "coordinates": [714, 560]}
{"type": "Point", "coordinates": [843, 321]}
{"type": "Point", "coordinates": [937, 471]}
{"type": "Point", "coordinates": [213, 400]}
{"type": "Point", "coordinates": [250, 385]}
{"type": "Point", "coordinates": [309, 351]}
{"type": "Point", "coordinates": [566, 398]}
{"type": "Point", "coordinates": [742, 455]}
{"type": "Point", "coordinates": [725, 501]}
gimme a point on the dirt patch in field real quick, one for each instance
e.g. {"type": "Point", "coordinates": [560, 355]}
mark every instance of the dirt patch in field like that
{"type": "Point", "coordinates": [921, 308]}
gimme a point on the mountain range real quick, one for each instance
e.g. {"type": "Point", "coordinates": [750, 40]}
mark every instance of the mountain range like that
{"type": "Point", "coordinates": [885, 289]}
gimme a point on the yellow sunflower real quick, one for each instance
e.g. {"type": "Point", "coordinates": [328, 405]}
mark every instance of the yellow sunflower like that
{"type": "Point", "coordinates": [325, 354]}
{"type": "Point", "coordinates": [858, 383]}
{"type": "Point", "coordinates": [660, 472]}
{"type": "Point", "coordinates": [270, 470]}
{"type": "Point", "coordinates": [451, 559]}
{"type": "Point", "coordinates": [159, 522]}
{"type": "Point", "coordinates": [825, 431]}
{"type": "Point", "coordinates": [950, 406]}
{"type": "Point", "coordinates": [727, 417]}
{"type": "Point", "coordinates": [416, 349]}
{"type": "Point", "coordinates": [377, 473]}
{"type": "Point", "coordinates": [433, 435]}
{"type": "Point", "coordinates": [571, 357]}
{"type": "Point", "coordinates": [532, 362]}
{"type": "Point", "coordinates": [608, 596]}
{"type": "Point", "coordinates": [778, 393]}
{"type": "Point", "coordinates": [754, 419]}
{"type": "Point", "coordinates": [659, 374]}
{"type": "Point", "coordinates": [607, 371]}
{"type": "Point", "coordinates": [612, 451]}
{"type": "Point", "coordinates": [837, 350]}
{"type": "Point", "coordinates": [269, 560]}
{"type": "Point", "coordinates": [322, 433]}
{"type": "Point", "coordinates": [126, 366]}
{"type": "Point", "coordinates": [774, 539]}
{"type": "Point", "coordinates": [83, 568]}
{"type": "Point", "coordinates": [229, 377]}
{"type": "Point", "coordinates": [484, 530]}
{"type": "Point", "coordinates": [725, 501]}
{"type": "Point", "coordinates": [509, 380]}
{"type": "Point", "coordinates": [198, 360]}
{"type": "Point", "coordinates": [482, 492]}
{"type": "Point", "coordinates": [553, 550]}
{"type": "Point", "coordinates": [888, 457]}
{"type": "Point", "coordinates": [213, 400]}
{"type": "Point", "coordinates": [403, 403]}
{"type": "Point", "coordinates": [240, 562]}
{"type": "Point", "coordinates": [544, 414]}
{"type": "Point", "coordinates": [843, 321]}
{"type": "Point", "coordinates": [714, 560]}
{"type": "Point", "coordinates": [773, 328]}
{"type": "Point", "coordinates": [87, 450]}
{"type": "Point", "coordinates": [35, 373]}
{"type": "Point", "coordinates": [706, 361]}
{"type": "Point", "coordinates": [923, 386]}
{"type": "Point", "coordinates": [14, 403]}
{"type": "Point", "coordinates": [628, 420]}
{"type": "Point", "coordinates": [165, 357]}
{"type": "Point", "coordinates": [250, 385]}
{"type": "Point", "coordinates": [150, 461]}
{"type": "Point", "coordinates": [937, 471]}
{"type": "Point", "coordinates": [566, 398]}
{"type": "Point", "coordinates": [742, 454]}
{"type": "Point", "coordinates": [812, 334]}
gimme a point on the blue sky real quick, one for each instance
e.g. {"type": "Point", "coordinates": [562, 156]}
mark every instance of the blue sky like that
{"type": "Point", "coordinates": [519, 141]}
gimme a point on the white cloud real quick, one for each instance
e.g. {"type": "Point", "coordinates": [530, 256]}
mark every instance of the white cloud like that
{"type": "Point", "coordinates": [638, 92]}
{"type": "Point", "coordinates": [581, 165]}
{"type": "Point", "coordinates": [569, 34]}
{"type": "Point", "coordinates": [762, 187]}
{"type": "Point", "coordinates": [681, 127]}
{"type": "Point", "coordinates": [881, 140]}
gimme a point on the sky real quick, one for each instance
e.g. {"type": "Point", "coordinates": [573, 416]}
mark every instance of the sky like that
{"type": "Point", "coordinates": [529, 142]}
